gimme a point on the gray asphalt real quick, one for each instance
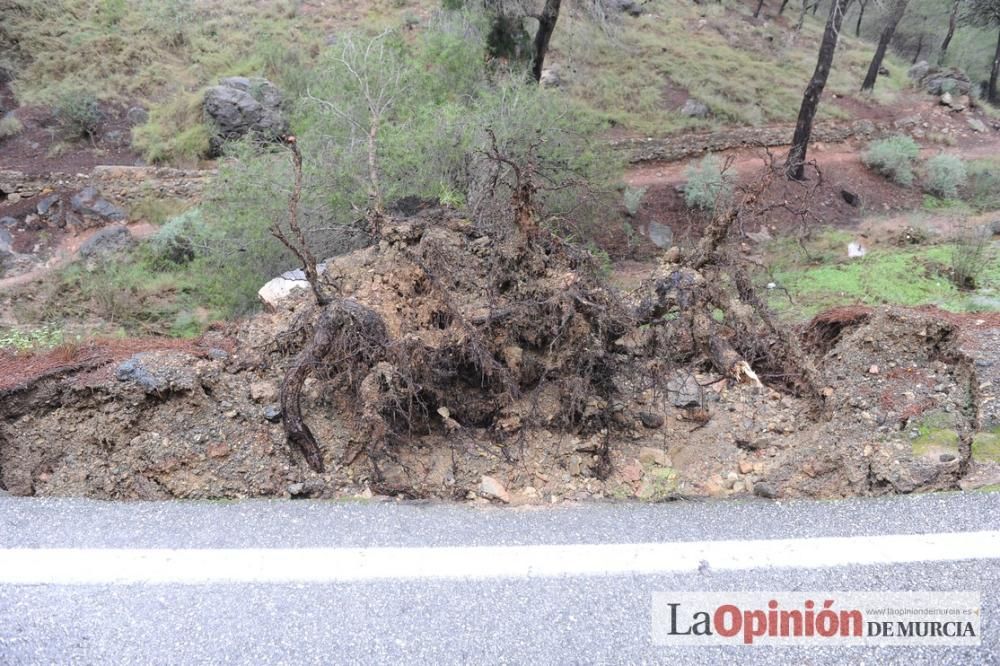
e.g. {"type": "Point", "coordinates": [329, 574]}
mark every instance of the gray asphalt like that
{"type": "Point", "coordinates": [558, 621]}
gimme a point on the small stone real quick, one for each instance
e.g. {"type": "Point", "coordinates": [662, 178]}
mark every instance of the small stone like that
{"type": "Point", "coordinates": [272, 413]}
{"type": "Point", "coordinates": [976, 124]}
{"type": "Point", "coordinates": [632, 472]}
{"type": "Point", "coordinates": [764, 489]}
{"type": "Point", "coordinates": [491, 488]}
{"type": "Point", "coordinates": [873, 370]}
{"type": "Point", "coordinates": [296, 489]}
{"type": "Point", "coordinates": [746, 467]}
{"type": "Point", "coordinates": [947, 457]}
{"type": "Point", "coordinates": [651, 420]}
{"type": "Point", "coordinates": [650, 456]}
{"type": "Point", "coordinates": [218, 450]}
{"type": "Point", "coordinates": [263, 392]}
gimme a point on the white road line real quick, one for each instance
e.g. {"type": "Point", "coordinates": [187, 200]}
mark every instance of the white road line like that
{"type": "Point", "coordinates": [85, 566]}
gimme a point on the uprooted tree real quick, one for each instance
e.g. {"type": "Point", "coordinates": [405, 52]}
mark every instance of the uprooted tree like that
{"type": "Point", "coordinates": [499, 324]}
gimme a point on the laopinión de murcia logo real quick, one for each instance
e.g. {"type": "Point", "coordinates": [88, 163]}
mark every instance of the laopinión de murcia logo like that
{"type": "Point", "coordinates": [813, 618]}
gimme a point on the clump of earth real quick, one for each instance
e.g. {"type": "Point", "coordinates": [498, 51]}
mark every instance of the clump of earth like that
{"type": "Point", "coordinates": [909, 402]}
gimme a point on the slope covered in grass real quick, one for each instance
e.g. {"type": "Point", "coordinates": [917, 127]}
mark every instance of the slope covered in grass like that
{"type": "Point", "coordinates": [635, 73]}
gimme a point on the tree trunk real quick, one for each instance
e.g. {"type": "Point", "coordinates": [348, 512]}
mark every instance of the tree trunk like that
{"type": "Point", "coordinates": [546, 26]}
{"type": "Point", "coordinates": [952, 22]}
{"type": "Point", "coordinates": [796, 162]}
{"type": "Point", "coordinates": [994, 74]}
{"type": "Point", "coordinates": [781, 10]}
{"type": "Point", "coordinates": [920, 49]}
{"type": "Point", "coordinates": [861, 17]}
{"type": "Point", "coordinates": [760, 5]}
{"type": "Point", "coordinates": [898, 8]}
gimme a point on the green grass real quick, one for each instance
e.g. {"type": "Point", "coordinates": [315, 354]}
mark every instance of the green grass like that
{"type": "Point", "coordinates": [46, 337]}
{"type": "Point", "coordinates": [753, 75]}
{"type": "Point", "coordinates": [986, 446]}
{"type": "Point", "coordinates": [141, 295]}
{"type": "Point", "coordinates": [163, 54]}
{"type": "Point", "coordinates": [910, 276]}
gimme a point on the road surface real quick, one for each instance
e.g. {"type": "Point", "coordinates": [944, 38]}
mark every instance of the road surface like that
{"type": "Point", "coordinates": [321, 582]}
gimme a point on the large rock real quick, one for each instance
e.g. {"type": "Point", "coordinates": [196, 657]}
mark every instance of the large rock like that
{"type": "Point", "coordinates": [280, 288]}
{"type": "Point", "coordinates": [939, 81]}
{"type": "Point", "coordinates": [630, 7]}
{"type": "Point", "coordinates": [239, 106]}
{"type": "Point", "coordinates": [107, 242]}
{"type": "Point", "coordinates": [694, 109]}
{"type": "Point", "coordinates": [918, 71]}
{"type": "Point", "coordinates": [89, 203]}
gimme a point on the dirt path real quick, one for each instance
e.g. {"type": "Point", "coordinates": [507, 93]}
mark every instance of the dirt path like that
{"type": "Point", "coordinates": [68, 250]}
{"type": "Point", "coordinates": [744, 162]}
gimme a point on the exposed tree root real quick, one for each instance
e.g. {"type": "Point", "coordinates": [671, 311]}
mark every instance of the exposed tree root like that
{"type": "Point", "coordinates": [345, 329]}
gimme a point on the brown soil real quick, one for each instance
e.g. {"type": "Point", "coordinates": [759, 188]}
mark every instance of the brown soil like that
{"type": "Point", "coordinates": [153, 419]}
{"type": "Point", "coordinates": [39, 148]}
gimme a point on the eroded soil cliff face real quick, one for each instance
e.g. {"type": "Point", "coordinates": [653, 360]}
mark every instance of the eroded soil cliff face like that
{"type": "Point", "coordinates": [521, 389]}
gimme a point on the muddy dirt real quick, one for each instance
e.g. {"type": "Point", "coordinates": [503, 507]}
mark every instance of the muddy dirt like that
{"type": "Point", "coordinates": [906, 394]}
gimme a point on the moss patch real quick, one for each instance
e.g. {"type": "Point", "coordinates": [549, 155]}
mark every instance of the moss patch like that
{"type": "Point", "coordinates": [658, 483]}
{"type": "Point", "coordinates": [934, 442]}
{"type": "Point", "coordinates": [986, 447]}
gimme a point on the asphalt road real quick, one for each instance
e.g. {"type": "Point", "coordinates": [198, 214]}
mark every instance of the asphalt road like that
{"type": "Point", "coordinates": [488, 618]}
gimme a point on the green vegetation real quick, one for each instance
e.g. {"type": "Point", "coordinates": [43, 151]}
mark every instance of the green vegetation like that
{"type": "Point", "coordinates": [708, 185]}
{"type": "Point", "coordinates": [78, 113]}
{"type": "Point", "coordinates": [632, 198]}
{"type": "Point", "coordinates": [442, 110]}
{"type": "Point", "coordinates": [10, 126]}
{"type": "Point", "coordinates": [986, 446]}
{"type": "Point", "coordinates": [893, 158]}
{"type": "Point", "coordinates": [933, 442]}
{"type": "Point", "coordinates": [163, 55]}
{"type": "Point", "coordinates": [37, 339]}
{"type": "Point", "coordinates": [943, 175]}
{"type": "Point", "coordinates": [747, 73]}
{"type": "Point", "coordinates": [982, 191]}
{"type": "Point", "coordinates": [825, 277]}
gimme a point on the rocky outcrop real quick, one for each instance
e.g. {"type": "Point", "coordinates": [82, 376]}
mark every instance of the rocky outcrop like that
{"type": "Point", "coordinates": [241, 106]}
{"type": "Point", "coordinates": [120, 186]}
{"type": "Point", "coordinates": [687, 145]}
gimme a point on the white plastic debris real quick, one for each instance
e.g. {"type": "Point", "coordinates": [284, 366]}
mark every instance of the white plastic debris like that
{"type": "Point", "coordinates": [856, 249]}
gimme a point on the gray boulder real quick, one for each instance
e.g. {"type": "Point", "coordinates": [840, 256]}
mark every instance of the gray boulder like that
{"type": "Point", "coordinates": [137, 115]}
{"type": "Point", "coordinates": [5, 240]}
{"type": "Point", "coordinates": [8, 221]}
{"type": "Point", "coordinates": [661, 235]}
{"type": "Point", "coordinates": [239, 106]}
{"type": "Point", "coordinates": [630, 7]}
{"type": "Point", "coordinates": [694, 109]}
{"type": "Point", "coordinates": [684, 391]}
{"type": "Point", "coordinates": [951, 80]}
{"type": "Point", "coordinates": [88, 202]}
{"type": "Point", "coordinates": [550, 78]}
{"type": "Point", "coordinates": [47, 205]}
{"type": "Point", "coordinates": [918, 71]}
{"type": "Point", "coordinates": [107, 242]}
{"type": "Point", "coordinates": [976, 124]}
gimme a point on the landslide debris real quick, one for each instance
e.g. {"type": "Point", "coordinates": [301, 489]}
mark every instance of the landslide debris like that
{"type": "Point", "coordinates": [465, 364]}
